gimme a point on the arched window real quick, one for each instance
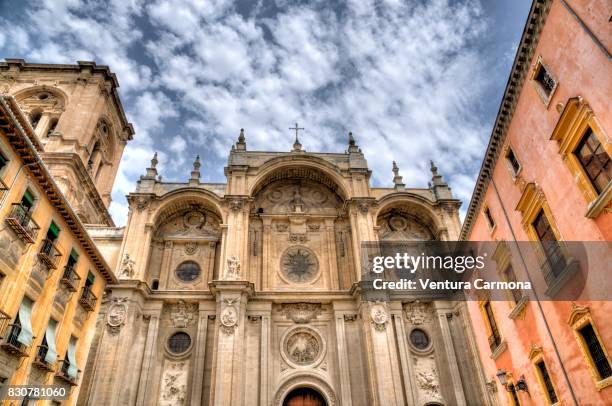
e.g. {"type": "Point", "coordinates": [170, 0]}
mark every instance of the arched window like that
{"type": "Point", "coordinates": [52, 125]}
{"type": "Point", "coordinates": [35, 118]}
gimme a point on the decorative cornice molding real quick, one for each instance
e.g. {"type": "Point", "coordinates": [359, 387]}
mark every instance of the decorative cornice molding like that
{"type": "Point", "coordinates": [520, 68]}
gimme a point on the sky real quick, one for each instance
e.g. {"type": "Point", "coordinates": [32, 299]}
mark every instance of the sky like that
{"type": "Point", "coordinates": [413, 80]}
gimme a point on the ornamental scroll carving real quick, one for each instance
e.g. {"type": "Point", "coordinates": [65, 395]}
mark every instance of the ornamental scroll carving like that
{"type": "Point", "coordinates": [379, 316]}
{"type": "Point", "coordinates": [183, 314]}
{"type": "Point", "coordinates": [301, 312]}
{"type": "Point", "coordinates": [117, 314]}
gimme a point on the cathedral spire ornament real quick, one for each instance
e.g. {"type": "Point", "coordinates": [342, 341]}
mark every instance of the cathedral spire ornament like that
{"type": "Point", "coordinates": [241, 144]}
{"type": "Point", "coordinates": [297, 146]}
{"type": "Point", "coordinates": [151, 170]}
{"type": "Point", "coordinates": [397, 179]}
{"type": "Point", "coordinates": [195, 173]}
{"type": "Point", "coordinates": [352, 144]}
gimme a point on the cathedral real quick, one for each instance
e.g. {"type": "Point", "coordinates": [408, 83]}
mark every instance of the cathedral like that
{"type": "Point", "coordinates": [246, 292]}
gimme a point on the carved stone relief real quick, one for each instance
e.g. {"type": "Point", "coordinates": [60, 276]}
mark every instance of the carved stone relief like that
{"type": "Point", "coordinates": [196, 223]}
{"type": "Point", "coordinates": [427, 379]}
{"type": "Point", "coordinates": [299, 264]}
{"type": "Point", "coordinates": [396, 226]}
{"type": "Point", "coordinates": [127, 267]}
{"type": "Point", "coordinates": [183, 314]}
{"type": "Point", "coordinates": [232, 269]}
{"type": "Point", "coordinates": [117, 314]}
{"type": "Point", "coordinates": [418, 312]}
{"type": "Point", "coordinates": [174, 384]}
{"type": "Point", "coordinates": [301, 312]}
{"type": "Point", "coordinates": [379, 316]}
{"type": "Point", "coordinates": [302, 346]}
{"type": "Point", "coordinates": [229, 316]}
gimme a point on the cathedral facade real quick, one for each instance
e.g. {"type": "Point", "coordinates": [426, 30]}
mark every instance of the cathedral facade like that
{"type": "Point", "coordinates": [248, 292]}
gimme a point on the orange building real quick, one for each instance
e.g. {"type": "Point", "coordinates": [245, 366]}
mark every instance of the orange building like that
{"type": "Point", "coordinates": [546, 176]}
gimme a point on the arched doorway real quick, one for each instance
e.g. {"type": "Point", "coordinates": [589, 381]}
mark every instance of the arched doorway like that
{"type": "Point", "coordinates": [304, 397]}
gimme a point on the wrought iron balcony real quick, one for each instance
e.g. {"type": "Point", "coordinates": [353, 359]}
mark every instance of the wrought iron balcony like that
{"type": "Point", "coordinates": [21, 222]}
{"type": "Point", "coordinates": [40, 362]}
{"type": "Point", "coordinates": [3, 188]}
{"type": "Point", "coordinates": [10, 343]}
{"type": "Point", "coordinates": [88, 299]}
{"type": "Point", "coordinates": [49, 254]}
{"type": "Point", "coordinates": [70, 279]}
{"type": "Point", "coordinates": [5, 321]}
{"type": "Point", "coordinates": [62, 373]}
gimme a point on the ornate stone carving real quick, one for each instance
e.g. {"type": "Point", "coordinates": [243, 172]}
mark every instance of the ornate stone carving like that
{"type": "Point", "coordinates": [232, 269]}
{"type": "Point", "coordinates": [427, 379]}
{"type": "Point", "coordinates": [282, 227]}
{"type": "Point", "coordinates": [379, 316]}
{"type": "Point", "coordinates": [301, 312]}
{"type": "Point", "coordinates": [350, 317]}
{"type": "Point", "coordinates": [314, 227]}
{"type": "Point", "coordinates": [298, 238]}
{"type": "Point", "coordinates": [418, 313]}
{"type": "Point", "coordinates": [127, 267]}
{"type": "Point", "coordinates": [302, 346]}
{"type": "Point", "coordinates": [229, 316]}
{"type": "Point", "coordinates": [117, 314]}
{"type": "Point", "coordinates": [191, 248]}
{"type": "Point", "coordinates": [299, 264]}
{"type": "Point", "coordinates": [236, 204]}
{"type": "Point", "coordinates": [183, 314]}
{"type": "Point", "coordinates": [195, 223]}
{"type": "Point", "coordinates": [174, 384]}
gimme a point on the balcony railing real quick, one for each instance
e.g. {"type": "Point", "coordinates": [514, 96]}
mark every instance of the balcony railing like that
{"type": "Point", "coordinates": [70, 279]}
{"type": "Point", "coordinates": [49, 254]}
{"type": "Point", "coordinates": [62, 373]}
{"type": "Point", "coordinates": [5, 321]}
{"type": "Point", "coordinates": [21, 222]}
{"type": "Point", "coordinates": [3, 188]}
{"type": "Point", "coordinates": [10, 343]}
{"type": "Point", "coordinates": [40, 362]}
{"type": "Point", "coordinates": [88, 299]}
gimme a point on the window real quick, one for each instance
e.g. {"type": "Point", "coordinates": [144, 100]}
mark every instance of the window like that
{"type": "Point", "coordinates": [419, 339]}
{"type": "Point", "coordinates": [90, 280]}
{"type": "Point", "coordinates": [35, 118]}
{"type": "Point", "coordinates": [72, 259]}
{"type": "Point", "coordinates": [548, 240]}
{"type": "Point", "coordinates": [510, 276]}
{"type": "Point", "coordinates": [596, 351]}
{"type": "Point", "coordinates": [52, 126]}
{"type": "Point", "coordinates": [546, 382]}
{"type": "Point", "coordinates": [47, 352]}
{"type": "Point", "coordinates": [515, 166]}
{"type": "Point", "coordinates": [3, 161]}
{"type": "Point", "coordinates": [155, 284]}
{"type": "Point", "coordinates": [27, 201]}
{"type": "Point", "coordinates": [494, 336]}
{"type": "Point", "coordinates": [595, 160]}
{"type": "Point", "coordinates": [188, 271]}
{"type": "Point", "coordinates": [586, 150]}
{"type": "Point", "coordinates": [179, 342]}
{"type": "Point", "coordinates": [489, 218]}
{"type": "Point", "coordinates": [513, 391]}
{"type": "Point", "coordinates": [544, 81]}
{"type": "Point", "coordinates": [69, 367]}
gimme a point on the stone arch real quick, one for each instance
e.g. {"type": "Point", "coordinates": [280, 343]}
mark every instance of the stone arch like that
{"type": "Point", "coordinates": [413, 206]}
{"type": "Point", "coordinates": [44, 106]}
{"type": "Point", "coordinates": [175, 201]}
{"type": "Point", "coordinates": [310, 380]}
{"type": "Point", "coordinates": [308, 167]}
{"type": "Point", "coordinates": [33, 90]}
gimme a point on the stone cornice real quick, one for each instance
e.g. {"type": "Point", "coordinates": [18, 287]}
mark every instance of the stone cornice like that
{"type": "Point", "coordinates": [520, 68]}
{"type": "Point", "coordinates": [19, 137]}
{"type": "Point", "coordinates": [103, 70]}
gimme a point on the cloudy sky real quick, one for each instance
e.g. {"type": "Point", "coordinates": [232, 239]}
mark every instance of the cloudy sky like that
{"type": "Point", "coordinates": [414, 80]}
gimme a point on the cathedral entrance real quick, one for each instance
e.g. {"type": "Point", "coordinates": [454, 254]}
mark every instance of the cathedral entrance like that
{"type": "Point", "coordinates": [304, 397]}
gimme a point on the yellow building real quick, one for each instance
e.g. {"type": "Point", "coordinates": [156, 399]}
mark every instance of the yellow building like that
{"type": "Point", "coordinates": [52, 276]}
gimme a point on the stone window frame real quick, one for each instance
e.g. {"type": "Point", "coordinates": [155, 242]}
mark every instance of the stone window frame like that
{"type": "Point", "coordinates": [488, 216]}
{"type": "Point", "coordinates": [539, 64]}
{"type": "Point", "coordinates": [195, 281]}
{"type": "Point", "coordinates": [536, 354]}
{"type": "Point", "coordinates": [576, 118]}
{"type": "Point", "coordinates": [501, 347]}
{"type": "Point", "coordinates": [184, 354]}
{"type": "Point", "coordinates": [530, 204]}
{"type": "Point", "coordinates": [430, 347]}
{"type": "Point", "coordinates": [510, 383]}
{"type": "Point", "coordinates": [579, 317]}
{"type": "Point", "coordinates": [505, 153]}
{"type": "Point", "coordinates": [502, 257]}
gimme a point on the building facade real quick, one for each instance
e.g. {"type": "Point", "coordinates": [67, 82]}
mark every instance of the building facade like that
{"type": "Point", "coordinates": [248, 292]}
{"type": "Point", "coordinates": [51, 274]}
{"type": "Point", "coordinates": [546, 178]}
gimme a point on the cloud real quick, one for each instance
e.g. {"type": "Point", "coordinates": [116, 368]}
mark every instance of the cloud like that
{"type": "Point", "coordinates": [405, 77]}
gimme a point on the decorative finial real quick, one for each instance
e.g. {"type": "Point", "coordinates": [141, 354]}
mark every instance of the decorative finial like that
{"type": "Point", "coordinates": [241, 144]}
{"type": "Point", "coordinates": [151, 173]}
{"type": "Point", "coordinates": [154, 161]}
{"type": "Point", "coordinates": [195, 173]}
{"type": "Point", "coordinates": [439, 187]}
{"type": "Point", "coordinates": [397, 179]}
{"type": "Point", "coordinates": [351, 139]}
{"type": "Point", "coordinates": [434, 168]}
{"type": "Point", "coordinates": [352, 144]}
{"type": "Point", "coordinates": [297, 146]}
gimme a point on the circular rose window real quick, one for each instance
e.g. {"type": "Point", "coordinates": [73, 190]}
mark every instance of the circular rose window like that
{"type": "Point", "coordinates": [419, 339]}
{"type": "Point", "coordinates": [299, 264]}
{"type": "Point", "coordinates": [188, 271]}
{"type": "Point", "coordinates": [179, 342]}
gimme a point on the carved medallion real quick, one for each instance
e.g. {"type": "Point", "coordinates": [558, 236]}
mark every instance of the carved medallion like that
{"type": "Point", "coordinates": [183, 314]}
{"type": "Point", "coordinates": [418, 313]}
{"type": "Point", "coordinates": [302, 346]}
{"type": "Point", "coordinates": [191, 248]}
{"type": "Point", "coordinates": [379, 316]}
{"type": "Point", "coordinates": [299, 264]}
{"type": "Point", "coordinates": [117, 313]}
{"type": "Point", "coordinates": [194, 219]}
{"type": "Point", "coordinates": [397, 223]}
{"type": "Point", "coordinates": [229, 317]}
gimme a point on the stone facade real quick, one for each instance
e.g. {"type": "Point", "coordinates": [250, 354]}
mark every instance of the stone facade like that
{"type": "Point", "coordinates": [239, 293]}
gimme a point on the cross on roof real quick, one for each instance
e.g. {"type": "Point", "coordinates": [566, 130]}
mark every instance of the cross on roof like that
{"type": "Point", "coordinates": [296, 128]}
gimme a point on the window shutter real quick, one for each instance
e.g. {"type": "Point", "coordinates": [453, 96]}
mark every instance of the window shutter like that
{"type": "Point", "coordinates": [28, 198]}
{"type": "Point", "coordinates": [90, 278]}
{"type": "Point", "coordinates": [25, 318]}
{"type": "Point", "coordinates": [51, 356]}
{"type": "Point", "coordinates": [74, 256]}
{"type": "Point", "coordinates": [54, 230]}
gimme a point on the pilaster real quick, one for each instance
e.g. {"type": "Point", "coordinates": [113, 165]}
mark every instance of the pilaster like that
{"type": "Point", "coordinates": [444, 313]}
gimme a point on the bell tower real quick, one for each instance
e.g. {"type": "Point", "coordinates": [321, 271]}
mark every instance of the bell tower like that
{"type": "Point", "coordinates": [76, 112]}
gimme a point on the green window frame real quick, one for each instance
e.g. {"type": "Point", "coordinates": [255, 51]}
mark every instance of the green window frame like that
{"type": "Point", "coordinates": [53, 232]}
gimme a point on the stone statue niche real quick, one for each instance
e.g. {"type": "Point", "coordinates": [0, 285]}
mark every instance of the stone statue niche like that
{"type": "Point", "coordinates": [185, 252]}
{"type": "Point", "coordinates": [293, 225]}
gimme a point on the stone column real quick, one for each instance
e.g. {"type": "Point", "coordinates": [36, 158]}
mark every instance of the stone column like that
{"type": "Point", "coordinates": [444, 313]}
{"type": "Point", "coordinates": [200, 355]}
{"type": "Point", "coordinates": [266, 361]}
{"type": "Point", "coordinates": [343, 364]}
{"type": "Point", "coordinates": [149, 356]}
{"type": "Point", "coordinates": [407, 369]}
{"type": "Point", "coordinates": [228, 362]}
{"type": "Point", "coordinates": [334, 280]}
